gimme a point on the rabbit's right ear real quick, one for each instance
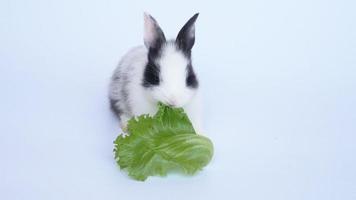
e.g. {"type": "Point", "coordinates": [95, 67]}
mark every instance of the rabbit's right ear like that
{"type": "Point", "coordinates": [153, 34]}
{"type": "Point", "coordinates": [186, 36]}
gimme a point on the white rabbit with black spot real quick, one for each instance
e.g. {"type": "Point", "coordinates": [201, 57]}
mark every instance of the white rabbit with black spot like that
{"type": "Point", "coordinates": [158, 71]}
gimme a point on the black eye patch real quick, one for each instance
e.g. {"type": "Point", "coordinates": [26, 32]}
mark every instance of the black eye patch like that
{"type": "Point", "coordinates": [191, 80]}
{"type": "Point", "coordinates": [151, 75]}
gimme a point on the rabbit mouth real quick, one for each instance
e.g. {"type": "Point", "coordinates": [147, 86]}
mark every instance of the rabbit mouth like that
{"type": "Point", "coordinates": [171, 103]}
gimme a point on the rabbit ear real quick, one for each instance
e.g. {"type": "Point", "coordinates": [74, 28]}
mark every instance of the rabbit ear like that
{"type": "Point", "coordinates": [153, 35]}
{"type": "Point", "coordinates": [186, 36]}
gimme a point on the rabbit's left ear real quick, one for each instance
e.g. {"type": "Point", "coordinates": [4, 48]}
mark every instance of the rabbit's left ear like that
{"type": "Point", "coordinates": [186, 36]}
{"type": "Point", "coordinates": [153, 34]}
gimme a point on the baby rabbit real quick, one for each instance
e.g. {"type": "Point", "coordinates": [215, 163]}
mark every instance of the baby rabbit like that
{"type": "Point", "coordinates": [159, 71]}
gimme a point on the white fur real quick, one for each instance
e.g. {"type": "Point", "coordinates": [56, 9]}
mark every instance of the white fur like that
{"type": "Point", "coordinates": [172, 89]}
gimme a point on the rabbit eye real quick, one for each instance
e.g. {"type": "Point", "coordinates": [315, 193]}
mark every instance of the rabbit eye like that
{"type": "Point", "coordinates": [191, 80]}
{"type": "Point", "coordinates": [151, 75]}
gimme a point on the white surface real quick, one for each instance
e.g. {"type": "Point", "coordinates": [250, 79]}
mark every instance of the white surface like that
{"type": "Point", "coordinates": [278, 78]}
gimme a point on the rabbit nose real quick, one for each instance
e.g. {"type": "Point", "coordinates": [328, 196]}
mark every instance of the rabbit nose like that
{"type": "Point", "coordinates": [172, 102]}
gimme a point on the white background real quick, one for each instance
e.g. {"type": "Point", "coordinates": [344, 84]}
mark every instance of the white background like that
{"type": "Point", "coordinates": [278, 77]}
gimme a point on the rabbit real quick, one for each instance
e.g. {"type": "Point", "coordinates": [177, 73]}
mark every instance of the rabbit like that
{"type": "Point", "coordinates": [159, 71]}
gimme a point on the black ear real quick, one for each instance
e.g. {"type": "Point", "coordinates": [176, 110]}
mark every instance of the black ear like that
{"type": "Point", "coordinates": [186, 36]}
{"type": "Point", "coordinates": [153, 34]}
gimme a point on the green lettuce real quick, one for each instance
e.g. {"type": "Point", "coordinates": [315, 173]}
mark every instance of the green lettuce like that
{"type": "Point", "coordinates": [160, 144]}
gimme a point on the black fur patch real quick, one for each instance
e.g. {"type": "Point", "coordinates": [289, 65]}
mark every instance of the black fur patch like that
{"type": "Point", "coordinates": [151, 75]}
{"type": "Point", "coordinates": [114, 107]}
{"type": "Point", "coordinates": [186, 36]}
{"type": "Point", "coordinates": [191, 80]}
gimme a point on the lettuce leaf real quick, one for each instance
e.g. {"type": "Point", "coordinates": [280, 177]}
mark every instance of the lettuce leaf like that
{"type": "Point", "coordinates": [160, 144]}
